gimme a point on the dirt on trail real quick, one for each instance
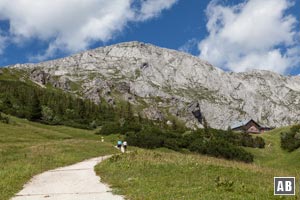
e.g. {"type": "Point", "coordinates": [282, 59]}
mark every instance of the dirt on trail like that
{"type": "Point", "coordinates": [74, 182]}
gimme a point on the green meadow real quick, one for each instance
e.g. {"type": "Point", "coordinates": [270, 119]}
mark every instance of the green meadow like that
{"type": "Point", "coordinates": [164, 174]}
{"type": "Point", "coordinates": [28, 148]}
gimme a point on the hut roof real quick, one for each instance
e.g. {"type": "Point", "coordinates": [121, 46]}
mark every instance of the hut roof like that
{"type": "Point", "coordinates": [242, 123]}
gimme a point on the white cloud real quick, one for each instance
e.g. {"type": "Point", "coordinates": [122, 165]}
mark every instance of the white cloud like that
{"type": "Point", "coordinates": [3, 40]}
{"type": "Point", "coordinates": [254, 34]}
{"type": "Point", "coordinates": [1, 45]}
{"type": "Point", "coordinates": [73, 25]}
{"type": "Point", "coordinates": [189, 45]}
{"type": "Point", "coordinates": [153, 8]}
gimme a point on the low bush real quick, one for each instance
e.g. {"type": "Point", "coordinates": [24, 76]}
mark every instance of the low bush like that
{"type": "Point", "coordinates": [211, 143]}
{"type": "Point", "coordinates": [290, 141]}
{"type": "Point", "coordinates": [148, 137]}
{"type": "Point", "coordinates": [259, 142]}
{"type": "Point", "coordinates": [110, 128]}
{"type": "Point", "coordinates": [220, 148]}
{"type": "Point", "coordinates": [129, 126]}
{"type": "Point", "coordinates": [4, 119]}
{"type": "Point", "coordinates": [247, 140]}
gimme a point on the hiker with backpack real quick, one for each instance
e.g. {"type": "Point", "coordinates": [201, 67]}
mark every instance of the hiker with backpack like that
{"type": "Point", "coordinates": [119, 144]}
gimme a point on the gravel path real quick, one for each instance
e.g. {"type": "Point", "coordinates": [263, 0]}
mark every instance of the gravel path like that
{"type": "Point", "coordinates": [74, 182]}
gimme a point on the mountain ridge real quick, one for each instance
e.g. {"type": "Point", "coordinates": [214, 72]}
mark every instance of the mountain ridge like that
{"type": "Point", "coordinates": [164, 83]}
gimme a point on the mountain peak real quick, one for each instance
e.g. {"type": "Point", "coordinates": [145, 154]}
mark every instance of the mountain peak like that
{"type": "Point", "coordinates": [163, 83]}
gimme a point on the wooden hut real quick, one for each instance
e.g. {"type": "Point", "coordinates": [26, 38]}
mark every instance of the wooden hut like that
{"type": "Point", "coordinates": [249, 126]}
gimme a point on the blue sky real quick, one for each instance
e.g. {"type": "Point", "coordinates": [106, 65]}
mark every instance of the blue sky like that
{"type": "Point", "coordinates": [235, 35]}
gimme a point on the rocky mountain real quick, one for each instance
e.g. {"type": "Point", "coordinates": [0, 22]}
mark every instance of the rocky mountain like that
{"type": "Point", "coordinates": [164, 84]}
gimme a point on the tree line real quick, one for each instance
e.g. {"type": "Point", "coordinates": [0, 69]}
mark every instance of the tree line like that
{"type": "Point", "coordinates": [55, 107]}
{"type": "Point", "coordinates": [150, 134]}
{"type": "Point", "coordinates": [51, 106]}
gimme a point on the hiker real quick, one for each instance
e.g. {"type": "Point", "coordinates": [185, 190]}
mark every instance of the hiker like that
{"type": "Point", "coordinates": [119, 144]}
{"type": "Point", "coordinates": [125, 145]}
{"type": "Point", "coordinates": [122, 149]}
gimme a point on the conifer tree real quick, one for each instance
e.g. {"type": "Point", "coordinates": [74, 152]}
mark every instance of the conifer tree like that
{"type": "Point", "coordinates": [206, 126]}
{"type": "Point", "coordinates": [35, 110]}
{"type": "Point", "coordinates": [129, 113]}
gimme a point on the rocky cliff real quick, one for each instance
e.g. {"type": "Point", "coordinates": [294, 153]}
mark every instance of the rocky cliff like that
{"type": "Point", "coordinates": [163, 84]}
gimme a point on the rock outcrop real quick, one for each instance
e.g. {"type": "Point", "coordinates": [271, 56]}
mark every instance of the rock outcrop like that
{"type": "Point", "coordinates": [174, 83]}
{"type": "Point", "coordinates": [153, 113]}
{"type": "Point", "coordinates": [39, 76]}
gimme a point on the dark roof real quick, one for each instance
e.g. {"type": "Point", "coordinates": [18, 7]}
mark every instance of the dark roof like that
{"type": "Point", "coordinates": [243, 123]}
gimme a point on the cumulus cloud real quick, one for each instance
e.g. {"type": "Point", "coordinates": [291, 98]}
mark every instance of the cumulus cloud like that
{"type": "Point", "coordinates": [150, 9]}
{"type": "Point", "coordinates": [2, 44]}
{"type": "Point", "coordinates": [3, 40]}
{"type": "Point", "coordinates": [73, 25]}
{"type": "Point", "coordinates": [252, 35]}
{"type": "Point", "coordinates": [189, 46]}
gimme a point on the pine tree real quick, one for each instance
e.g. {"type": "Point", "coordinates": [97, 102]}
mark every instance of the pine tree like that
{"type": "Point", "coordinates": [174, 125]}
{"type": "Point", "coordinates": [229, 130]}
{"type": "Point", "coordinates": [207, 132]}
{"type": "Point", "coordinates": [139, 118]}
{"type": "Point", "coordinates": [35, 110]}
{"type": "Point", "coordinates": [206, 126]}
{"type": "Point", "coordinates": [129, 113]}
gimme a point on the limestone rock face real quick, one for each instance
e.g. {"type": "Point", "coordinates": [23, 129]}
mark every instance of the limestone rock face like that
{"type": "Point", "coordinates": [63, 83]}
{"type": "Point", "coordinates": [40, 76]}
{"type": "Point", "coordinates": [153, 113]}
{"type": "Point", "coordinates": [194, 108]}
{"type": "Point", "coordinates": [174, 83]}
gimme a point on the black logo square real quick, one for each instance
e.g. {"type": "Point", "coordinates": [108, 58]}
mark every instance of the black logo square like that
{"type": "Point", "coordinates": [284, 185]}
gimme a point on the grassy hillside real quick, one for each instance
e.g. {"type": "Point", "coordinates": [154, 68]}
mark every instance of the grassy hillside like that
{"type": "Point", "coordinates": [145, 174]}
{"type": "Point", "coordinates": [276, 158]}
{"type": "Point", "coordinates": [28, 148]}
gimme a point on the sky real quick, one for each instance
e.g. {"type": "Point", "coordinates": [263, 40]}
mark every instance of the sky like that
{"type": "Point", "coordinates": [234, 35]}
